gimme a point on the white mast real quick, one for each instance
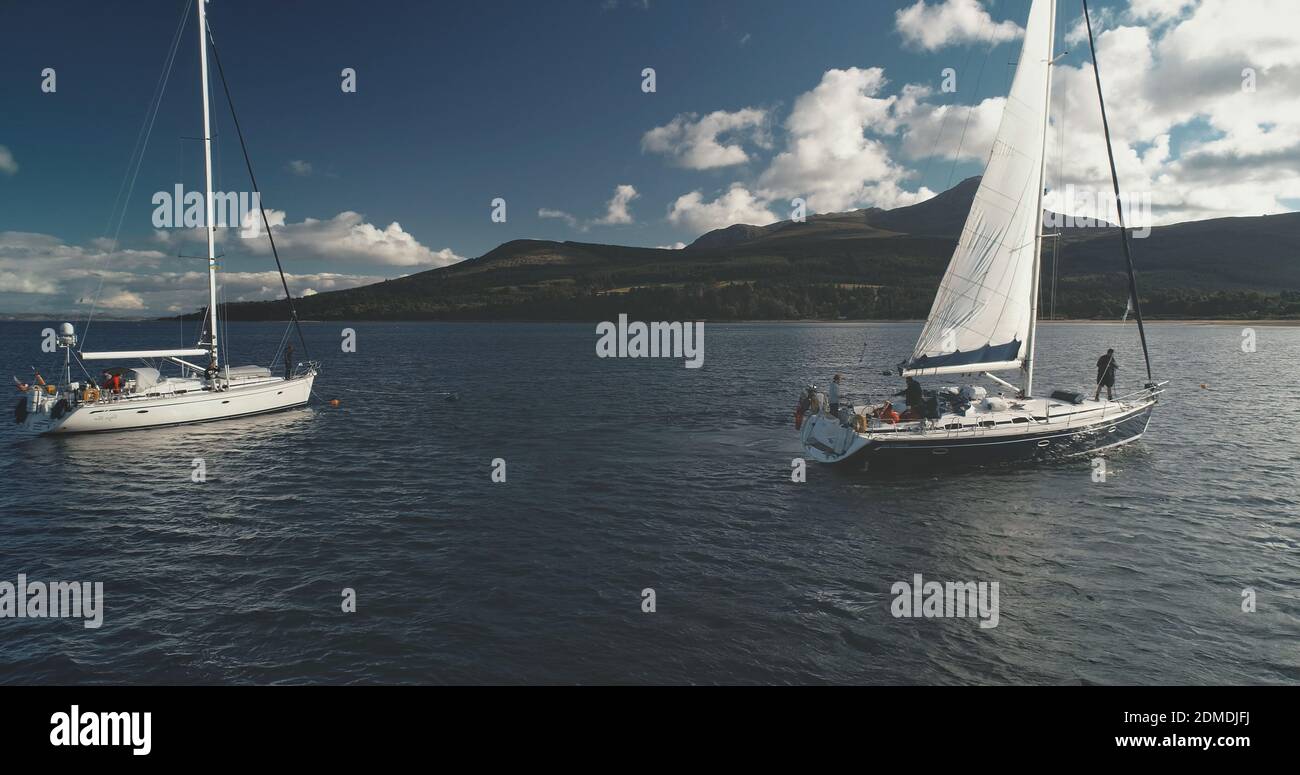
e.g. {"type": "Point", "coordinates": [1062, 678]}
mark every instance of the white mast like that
{"type": "Point", "coordinates": [207, 198]}
{"type": "Point", "coordinates": [1038, 209]}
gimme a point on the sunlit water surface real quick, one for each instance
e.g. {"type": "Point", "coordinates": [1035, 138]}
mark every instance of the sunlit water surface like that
{"type": "Point", "coordinates": [624, 475]}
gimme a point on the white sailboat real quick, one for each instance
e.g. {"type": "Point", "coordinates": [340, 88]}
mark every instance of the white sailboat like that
{"type": "Point", "coordinates": [142, 397]}
{"type": "Point", "coordinates": [984, 319]}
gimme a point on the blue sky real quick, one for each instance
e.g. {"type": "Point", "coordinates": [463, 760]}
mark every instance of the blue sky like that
{"type": "Point", "coordinates": [459, 103]}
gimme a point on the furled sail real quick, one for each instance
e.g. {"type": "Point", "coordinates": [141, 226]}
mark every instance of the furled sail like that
{"type": "Point", "coordinates": [981, 317]}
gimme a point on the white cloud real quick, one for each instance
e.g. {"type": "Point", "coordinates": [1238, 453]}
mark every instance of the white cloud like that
{"type": "Point", "coordinates": [348, 237]}
{"type": "Point", "coordinates": [41, 273]}
{"type": "Point", "coordinates": [560, 215]}
{"type": "Point", "coordinates": [674, 246]}
{"type": "Point", "coordinates": [616, 211]}
{"type": "Point", "coordinates": [120, 300]}
{"type": "Point", "coordinates": [951, 131]}
{"type": "Point", "coordinates": [1186, 133]}
{"type": "Point", "coordinates": [833, 157]}
{"type": "Point", "coordinates": [951, 22]}
{"type": "Point", "coordinates": [7, 163]}
{"type": "Point", "coordinates": [1157, 11]}
{"type": "Point", "coordinates": [715, 140]}
{"type": "Point", "coordinates": [1102, 19]}
{"type": "Point", "coordinates": [27, 282]}
{"type": "Point", "coordinates": [830, 159]}
{"type": "Point", "coordinates": [300, 168]}
{"type": "Point", "coordinates": [737, 205]}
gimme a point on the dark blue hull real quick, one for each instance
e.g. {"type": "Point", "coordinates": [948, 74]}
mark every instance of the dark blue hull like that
{"type": "Point", "coordinates": [1027, 448]}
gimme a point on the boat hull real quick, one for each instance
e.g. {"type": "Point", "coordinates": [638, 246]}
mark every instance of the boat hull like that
{"type": "Point", "coordinates": [196, 407]}
{"type": "Point", "coordinates": [924, 449]}
{"type": "Point", "coordinates": [1031, 447]}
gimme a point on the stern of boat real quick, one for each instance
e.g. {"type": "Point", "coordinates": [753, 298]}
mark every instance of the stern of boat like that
{"type": "Point", "coordinates": [39, 410]}
{"type": "Point", "coordinates": [827, 438]}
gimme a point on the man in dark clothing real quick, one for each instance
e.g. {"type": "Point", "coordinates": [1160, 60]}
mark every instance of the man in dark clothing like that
{"type": "Point", "coordinates": [914, 397]}
{"type": "Point", "coordinates": [1106, 368]}
{"type": "Point", "coordinates": [288, 361]}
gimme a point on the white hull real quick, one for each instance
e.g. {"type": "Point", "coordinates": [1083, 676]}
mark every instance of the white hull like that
{"type": "Point", "coordinates": [134, 399]}
{"type": "Point", "coordinates": [204, 405]}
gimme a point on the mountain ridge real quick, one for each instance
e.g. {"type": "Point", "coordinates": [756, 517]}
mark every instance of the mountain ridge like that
{"type": "Point", "coordinates": [865, 263]}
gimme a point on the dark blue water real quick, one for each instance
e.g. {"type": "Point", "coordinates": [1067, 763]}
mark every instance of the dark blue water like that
{"type": "Point", "coordinates": [624, 475]}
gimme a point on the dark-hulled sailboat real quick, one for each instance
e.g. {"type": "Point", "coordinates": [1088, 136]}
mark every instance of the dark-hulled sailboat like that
{"type": "Point", "coordinates": [984, 320]}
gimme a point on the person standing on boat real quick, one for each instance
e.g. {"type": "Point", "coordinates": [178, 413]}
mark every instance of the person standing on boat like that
{"type": "Point", "coordinates": [1106, 368]}
{"type": "Point", "coordinates": [288, 361]}
{"type": "Point", "coordinates": [835, 394]}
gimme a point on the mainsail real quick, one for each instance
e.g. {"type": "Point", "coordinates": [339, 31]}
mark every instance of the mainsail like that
{"type": "Point", "coordinates": [982, 317]}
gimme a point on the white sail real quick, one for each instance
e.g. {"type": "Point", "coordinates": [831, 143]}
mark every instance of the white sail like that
{"type": "Point", "coordinates": [982, 316]}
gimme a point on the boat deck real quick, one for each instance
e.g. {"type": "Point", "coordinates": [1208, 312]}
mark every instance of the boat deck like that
{"type": "Point", "coordinates": [1026, 412]}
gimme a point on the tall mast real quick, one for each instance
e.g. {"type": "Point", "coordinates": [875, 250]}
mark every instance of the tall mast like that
{"type": "Point", "coordinates": [1119, 204]}
{"type": "Point", "coordinates": [210, 227]}
{"type": "Point", "coordinates": [1038, 208]}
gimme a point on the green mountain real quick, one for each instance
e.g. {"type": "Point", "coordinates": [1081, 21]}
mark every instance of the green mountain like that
{"type": "Point", "coordinates": [862, 264]}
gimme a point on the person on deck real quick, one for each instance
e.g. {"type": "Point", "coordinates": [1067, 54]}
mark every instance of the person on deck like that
{"type": "Point", "coordinates": [835, 394]}
{"type": "Point", "coordinates": [1106, 368]}
{"type": "Point", "coordinates": [288, 361]}
{"type": "Point", "coordinates": [914, 397]}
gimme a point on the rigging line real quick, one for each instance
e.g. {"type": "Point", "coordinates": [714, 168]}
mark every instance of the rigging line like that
{"type": "Point", "coordinates": [1060, 182]}
{"type": "Point", "coordinates": [944, 122]}
{"type": "Point", "coordinates": [151, 116]}
{"type": "Point", "coordinates": [288, 297]}
{"type": "Point", "coordinates": [157, 95]}
{"type": "Point", "coordinates": [1119, 206]}
{"type": "Point", "coordinates": [979, 78]}
{"type": "Point", "coordinates": [284, 337]}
